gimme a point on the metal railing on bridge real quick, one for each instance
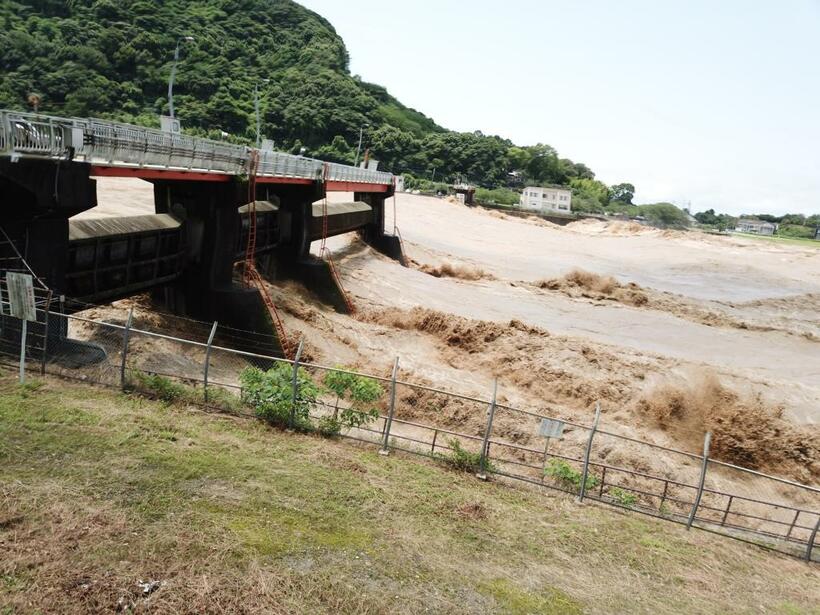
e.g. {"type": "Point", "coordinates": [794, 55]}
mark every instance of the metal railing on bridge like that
{"type": "Point", "coordinates": [114, 144]}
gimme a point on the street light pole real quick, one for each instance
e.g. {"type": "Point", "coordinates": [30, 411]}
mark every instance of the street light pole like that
{"type": "Point", "coordinates": [258, 117]}
{"type": "Point", "coordinates": [173, 74]}
{"type": "Point", "coordinates": [359, 148]}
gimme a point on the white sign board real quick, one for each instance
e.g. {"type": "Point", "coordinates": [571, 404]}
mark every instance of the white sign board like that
{"type": "Point", "coordinates": [21, 295]}
{"type": "Point", "coordinates": [551, 428]}
{"type": "Point", "coordinates": [169, 124]}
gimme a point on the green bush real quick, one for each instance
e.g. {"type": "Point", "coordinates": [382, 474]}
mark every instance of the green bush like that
{"type": "Point", "coordinates": [360, 392]}
{"type": "Point", "coordinates": [567, 476]}
{"type": "Point", "coordinates": [664, 215]}
{"type": "Point", "coordinates": [622, 497]}
{"type": "Point", "coordinates": [796, 231]}
{"type": "Point", "coordinates": [461, 459]}
{"type": "Point", "coordinates": [270, 394]}
{"type": "Point", "coordinates": [498, 196]}
{"type": "Point", "coordinates": [161, 387]}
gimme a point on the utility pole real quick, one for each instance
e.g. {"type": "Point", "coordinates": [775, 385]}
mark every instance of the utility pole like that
{"type": "Point", "coordinates": [359, 148]}
{"type": "Point", "coordinates": [258, 117]}
{"type": "Point", "coordinates": [173, 74]}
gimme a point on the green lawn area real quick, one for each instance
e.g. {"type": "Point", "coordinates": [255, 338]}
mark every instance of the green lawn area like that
{"type": "Point", "coordinates": [799, 241]}
{"type": "Point", "coordinates": [101, 490]}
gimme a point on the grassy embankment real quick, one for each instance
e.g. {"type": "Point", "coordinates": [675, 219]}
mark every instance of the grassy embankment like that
{"type": "Point", "coordinates": [100, 490]}
{"type": "Point", "coordinates": [798, 241]}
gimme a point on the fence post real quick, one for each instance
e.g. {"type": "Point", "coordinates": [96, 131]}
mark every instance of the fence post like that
{"type": "Point", "coordinates": [125, 346]}
{"type": "Point", "coordinates": [706, 441]}
{"type": "Point", "coordinates": [385, 450]}
{"type": "Point", "coordinates": [726, 512]}
{"type": "Point", "coordinates": [585, 472]}
{"type": "Point", "coordinates": [23, 337]}
{"type": "Point", "coordinates": [45, 335]}
{"type": "Point", "coordinates": [482, 460]}
{"type": "Point", "coordinates": [810, 546]}
{"type": "Point", "coordinates": [208, 362]}
{"type": "Point", "coordinates": [663, 497]}
{"type": "Point", "coordinates": [794, 522]}
{"type": "Point", "coordinates": [295, 385]}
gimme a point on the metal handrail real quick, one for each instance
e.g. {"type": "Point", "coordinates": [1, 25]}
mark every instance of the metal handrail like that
{"type": "Point", "coordinates": [116, 144]}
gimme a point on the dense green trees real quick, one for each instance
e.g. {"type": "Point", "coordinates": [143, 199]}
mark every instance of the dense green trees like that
{"type": "Point", "coordinates": [112, 58]}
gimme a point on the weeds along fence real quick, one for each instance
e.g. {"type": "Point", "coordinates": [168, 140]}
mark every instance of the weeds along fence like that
{"type": "Point", "coordinates": [480, 435]}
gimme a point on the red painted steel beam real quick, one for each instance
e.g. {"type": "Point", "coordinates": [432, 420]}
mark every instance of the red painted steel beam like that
{"type": "Point", "coordinates": [262, 179]}
{"type": "Point", "coordinates": [339, 186]}
{"type": "Point", "coordinates": [144, 173]}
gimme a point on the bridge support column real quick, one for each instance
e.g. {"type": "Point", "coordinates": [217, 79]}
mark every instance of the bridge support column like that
{"type": "Point", "coordinates": [373, 234]}
{"type": "Point", "coordinates": [208, 290]}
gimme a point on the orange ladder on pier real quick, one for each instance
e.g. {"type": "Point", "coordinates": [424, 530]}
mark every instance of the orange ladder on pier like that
{"type": "Point", "coordinates": [252, 277]}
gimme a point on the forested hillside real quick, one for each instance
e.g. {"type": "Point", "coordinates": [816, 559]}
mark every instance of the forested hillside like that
{"type": "Point", "coordinates": [112, 59]}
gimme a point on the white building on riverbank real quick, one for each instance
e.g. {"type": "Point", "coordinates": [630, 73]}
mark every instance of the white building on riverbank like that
{"type": "Point", "coordinates": [550, 198]}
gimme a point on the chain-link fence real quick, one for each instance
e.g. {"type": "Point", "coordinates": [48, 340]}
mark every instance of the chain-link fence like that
{"type": "Point", "coordinates": [202, 365]}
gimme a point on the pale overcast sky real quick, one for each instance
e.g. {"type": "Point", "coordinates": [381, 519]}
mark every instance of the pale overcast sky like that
{"type": "Point", "coordinates": [713, 102]}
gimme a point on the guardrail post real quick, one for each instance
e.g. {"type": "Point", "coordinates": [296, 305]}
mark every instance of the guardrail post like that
{"type": "Point", "coordinates": [585, 472]}
{"type": "Point", "coordinates": [385, 450]}
{"type": "Point", "coordinates": [295, 384]}
{"type": "Point", "coordinates": [23, 337]}
{"type": "Point", "coordinates": [125, 346]}
{"type": "Point", "coordinates": [482, 460]}
{"type": "Point", "coordinates": [706, 441]}
{"type": "Point", "coordinates": [208, 362]}
{"type": "Point", "coordinates": [812, 538]}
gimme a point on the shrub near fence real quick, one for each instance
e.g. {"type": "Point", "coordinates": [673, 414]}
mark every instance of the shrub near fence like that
{"type": "Point", "coordinates": [466, 432]}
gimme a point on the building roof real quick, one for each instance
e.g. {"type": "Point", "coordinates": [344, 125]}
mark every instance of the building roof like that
{"type": "Point", "coordinates": [549, 187]}
{"type": "Point", "coordinates": [756, 222]}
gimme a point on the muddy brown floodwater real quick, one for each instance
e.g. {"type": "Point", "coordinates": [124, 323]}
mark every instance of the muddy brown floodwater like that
{"type": "Point", "coordinates": [637, 318]}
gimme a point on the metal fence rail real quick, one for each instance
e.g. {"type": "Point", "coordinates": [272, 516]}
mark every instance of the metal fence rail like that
{"type": "Point", "coordinates": [108, 143]}
{"type": "Point", "coordinates": [603, 466]}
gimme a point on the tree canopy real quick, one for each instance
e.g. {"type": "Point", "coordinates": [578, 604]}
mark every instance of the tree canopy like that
{"type": "Point", "coordinates": [113, 58]}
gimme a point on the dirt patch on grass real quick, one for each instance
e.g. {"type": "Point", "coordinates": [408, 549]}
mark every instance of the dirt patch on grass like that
{"type": "Point", "coordinates": [471, 511]}
{"type": "Point", "coordinates": [745, 430]}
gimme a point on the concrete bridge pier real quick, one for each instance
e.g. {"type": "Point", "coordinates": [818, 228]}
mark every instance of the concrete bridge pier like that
{"type": "Point", "coordinates": [299, 228]}
{"type": "Point", "coordinates": [208, 289]}
{"type": "Point", "coordinates": [39, 196]}
{"type": "Point", "coordinates": [373, 234]}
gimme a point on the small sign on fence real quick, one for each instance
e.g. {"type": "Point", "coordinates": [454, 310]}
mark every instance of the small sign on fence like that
{"type": "Point", "coordinates": [550, 428]}
{"type": "Point", "coordinates": [21, 296]}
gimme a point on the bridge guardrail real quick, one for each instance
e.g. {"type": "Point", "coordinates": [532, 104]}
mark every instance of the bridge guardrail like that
{"type": "Point", "coordinates": [116, 144]}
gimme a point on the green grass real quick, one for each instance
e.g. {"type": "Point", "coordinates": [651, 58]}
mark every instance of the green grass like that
{"type": "Point", "coordinates": [99, 490]}
{"type": "Point", "coordinates": [799, 241]}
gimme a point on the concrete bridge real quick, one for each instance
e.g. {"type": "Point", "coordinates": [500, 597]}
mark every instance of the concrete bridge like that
{"type": "Point", "coordinates": [209, 196]}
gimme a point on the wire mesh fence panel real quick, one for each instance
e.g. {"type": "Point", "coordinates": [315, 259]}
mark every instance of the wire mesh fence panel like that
{"type": "Point", "coordinates": [177, 360]}
{"type": "Point", "coordinates": [651, 479]}
{"type": "Point", "coordinates": [200, 365]}
{"type": "Point", "coordinates": [438, 423]}
{"type": "Point", "coordinates": [777, 513]}
{"type": "Point", "coordinates": [85, 349]}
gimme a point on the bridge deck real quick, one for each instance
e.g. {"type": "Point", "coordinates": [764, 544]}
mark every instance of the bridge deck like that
{"type": "Point", "coordinates": [125, 150]}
